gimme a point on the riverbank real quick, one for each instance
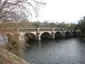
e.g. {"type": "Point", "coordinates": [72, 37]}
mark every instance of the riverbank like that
{"type": "Point", "coordinates": [7, 57]}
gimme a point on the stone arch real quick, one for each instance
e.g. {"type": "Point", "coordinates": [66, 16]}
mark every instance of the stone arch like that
{"type": "Point", "coordinates": [21, 36]}
{"type": "Point", "coordinates": [75, 34]}
{"type": "Point", "coordinates": [58, 35]}
{"type": "Point", "coordinates": [68, 34]}
{"type": "Point", "coordinates": [29, 37]}
{"type": "Point", "coordinates": [26, 38]}
{"type": "Point", "coordinates": [46, 35]}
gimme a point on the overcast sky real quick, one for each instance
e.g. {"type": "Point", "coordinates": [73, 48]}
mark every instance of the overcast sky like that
{"type": "Point", "coordinates": [63, 10]}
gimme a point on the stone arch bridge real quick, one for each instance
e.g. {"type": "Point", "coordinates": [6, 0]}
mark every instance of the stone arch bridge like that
{"type": "Point", "coordinates": [16, 34]}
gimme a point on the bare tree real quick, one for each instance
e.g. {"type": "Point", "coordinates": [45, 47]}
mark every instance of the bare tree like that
{"type": "Point", "coordinates": [16, 9]}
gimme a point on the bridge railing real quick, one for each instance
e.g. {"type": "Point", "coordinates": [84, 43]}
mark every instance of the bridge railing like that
{"type": "Point", "coordinates": [58, 29]}
{"type": "Point", "coordinates": [8, 29]}
{"type": "Point", "coordinates": [45, 29]}
{"type": "Point", "coordinates": [27, 29]}
{"type": "Point", "coordinates": [35, 29]}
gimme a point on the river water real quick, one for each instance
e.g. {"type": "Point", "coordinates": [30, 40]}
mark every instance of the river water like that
{"type": "Point", "coordinates": [66, 51]}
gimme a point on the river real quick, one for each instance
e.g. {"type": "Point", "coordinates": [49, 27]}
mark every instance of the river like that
{"type": "Point", "coordinates": [66, 51]}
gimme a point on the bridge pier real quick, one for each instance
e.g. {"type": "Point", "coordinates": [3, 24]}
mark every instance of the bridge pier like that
{"type": "Point", "coordinates": [53, 36]}
{"type": "Point", "coordinates": [38, 34]}
{"type": "Point", "coordinates": [52, 33]}
{"type": "Point", "coordinates": [71, 34]}
{"type": "Point", "coordinates": [63, 34]}
{"type": "Point", "coordinates": [38, 37]}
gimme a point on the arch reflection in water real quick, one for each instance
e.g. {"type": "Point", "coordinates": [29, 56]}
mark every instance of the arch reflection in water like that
{"type": "Point", "coordinates": [29, 37]}
{"type": "Point", "coordinates": [45, 35]}
{"type": "Point", "coordinates": [58, 35]}
{"type": "Point", "coordinates": [75, 34]}
{"type": "Point", "coordinates": [68, 34]}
